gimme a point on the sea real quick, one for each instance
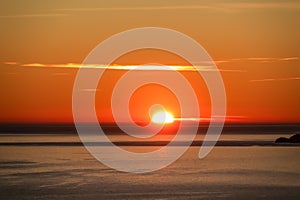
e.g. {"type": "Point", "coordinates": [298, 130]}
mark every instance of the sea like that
{"type": "Point", "coordinates": [37, 164]}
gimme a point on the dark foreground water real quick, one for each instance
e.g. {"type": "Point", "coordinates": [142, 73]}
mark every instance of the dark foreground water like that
{"type": "Point", "coordinates": [70, 172]}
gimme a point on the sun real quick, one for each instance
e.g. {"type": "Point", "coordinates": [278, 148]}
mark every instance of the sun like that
{"type": "Point", "coordinates": [162, 117]}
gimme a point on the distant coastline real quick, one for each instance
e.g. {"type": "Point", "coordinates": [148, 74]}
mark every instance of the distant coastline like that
{"type": "Point", "coordinates": [111, 129]}
{"type": "Point", "coordinates": [152, 143]}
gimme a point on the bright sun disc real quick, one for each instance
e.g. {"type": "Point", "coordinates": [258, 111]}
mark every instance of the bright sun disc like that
{"type": "Point", "coordinates": [162, 117]}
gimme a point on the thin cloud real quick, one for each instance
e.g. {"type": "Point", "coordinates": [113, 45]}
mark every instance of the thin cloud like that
{"type": "Point", "coordinates": [274, 79]}
{"type": "Point", "coordinates": [210, 6]}
{"type": "Point", "coordinates": [34, 15]}
{"type": "Point", "coordinates": [34, 65]}
{"type": "Point", "coordinates": [215, 118]}
{"type": "Point", "coordinates": [288, 59]}
{"type": "Point", "coordinates": [10, 63]}
{"type": "Point", "coordinates": [260, 59]}
{"type": "Point", "coordinates": [263, 5]}
{"type": "Point", "coordinates": [133, 67]}
{"type": "Point", "coordinates": [225, 7]}
{"type": "Point", "coordinates": [251, 59]}
{"type": "Point", "coordinates": [202, 66]}
{"type": "Point", "coordinates": [138, 8]}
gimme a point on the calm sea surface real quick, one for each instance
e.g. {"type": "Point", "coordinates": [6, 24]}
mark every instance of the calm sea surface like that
{"type": "Point", "coordinates": [70, 172]}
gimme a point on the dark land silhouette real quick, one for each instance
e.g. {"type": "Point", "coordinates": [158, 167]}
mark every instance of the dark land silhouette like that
{"type": "Point", "coordinates": [293, 139]}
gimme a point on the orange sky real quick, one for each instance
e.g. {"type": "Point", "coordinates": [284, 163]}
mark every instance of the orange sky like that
{"type": "Point", "coordinates": [255, 44]}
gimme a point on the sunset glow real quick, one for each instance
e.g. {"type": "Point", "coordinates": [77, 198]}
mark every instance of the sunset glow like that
{"type": "Point", "coordinates": [257, 59]}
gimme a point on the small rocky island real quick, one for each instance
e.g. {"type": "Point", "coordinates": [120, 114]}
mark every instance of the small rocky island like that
{"type": "Point", "coordinates": [293, 139]}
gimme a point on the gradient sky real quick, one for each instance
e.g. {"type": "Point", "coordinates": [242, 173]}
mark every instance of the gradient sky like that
{"type": "Point", "coordinates": [255, 44]}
